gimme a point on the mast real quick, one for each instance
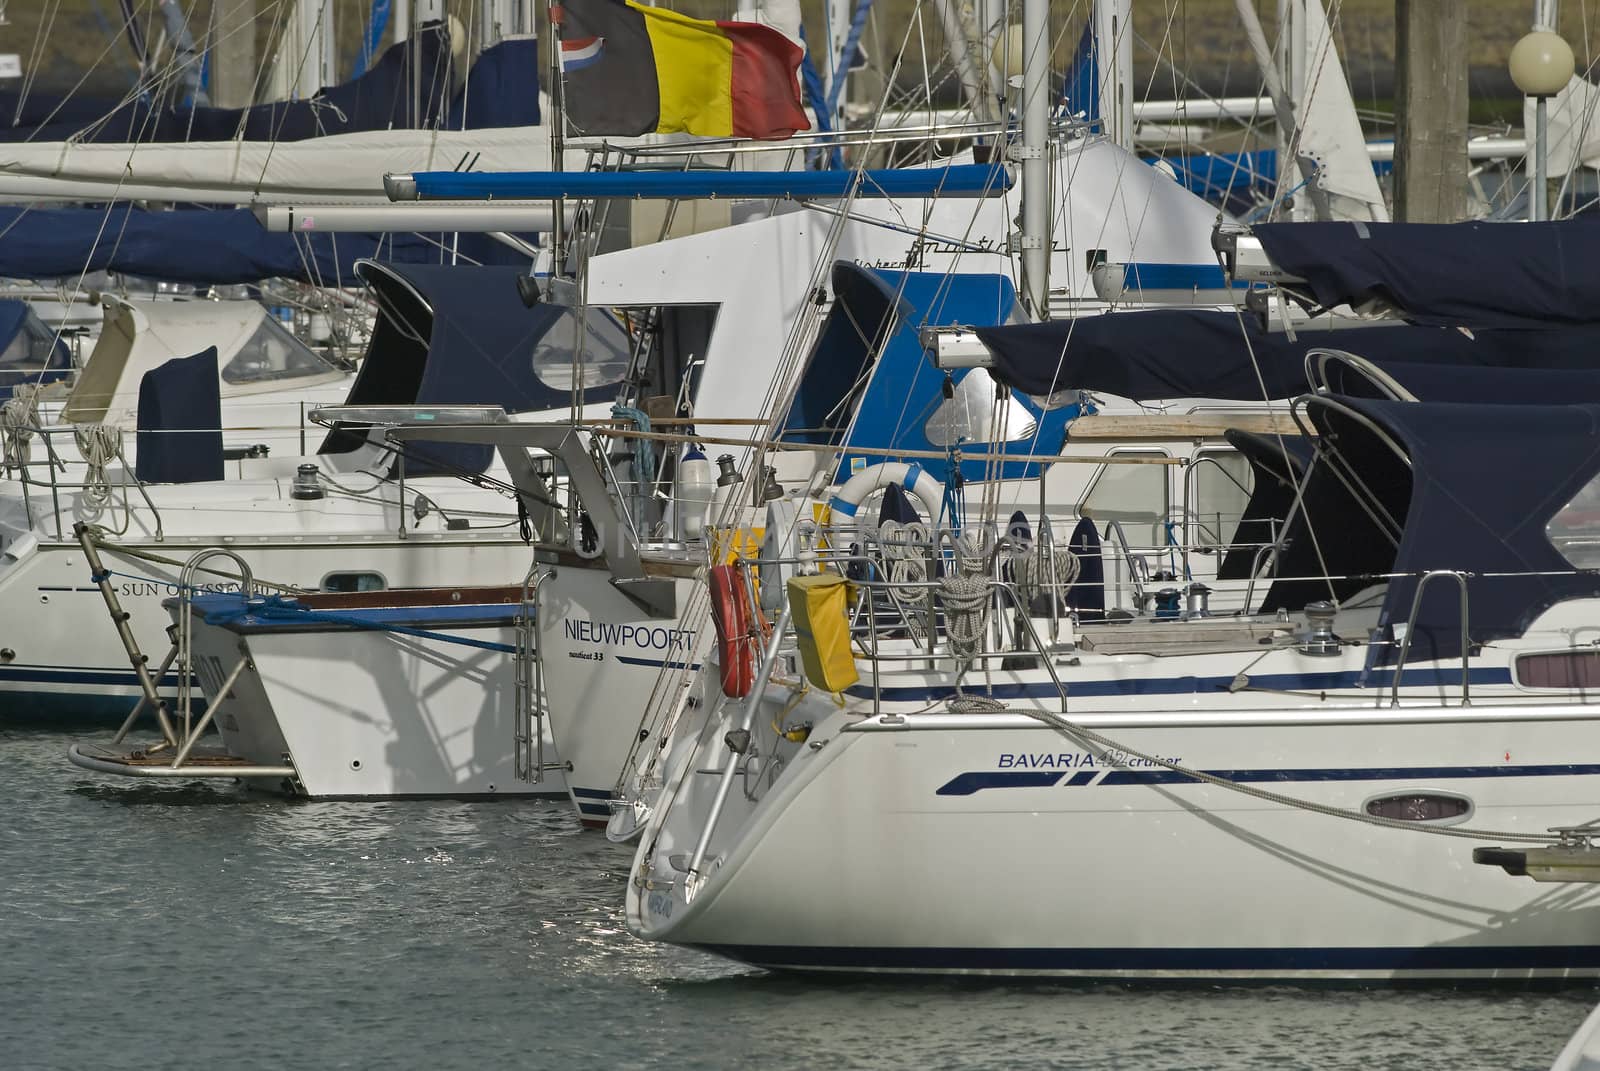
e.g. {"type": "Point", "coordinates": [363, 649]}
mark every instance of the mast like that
{"type": "Point", "coordinates": [1035, 155]}
{"type": "Point", "coordinates": [1292, 66]}
{"type": "Point", "coordinates": [1113, 46]}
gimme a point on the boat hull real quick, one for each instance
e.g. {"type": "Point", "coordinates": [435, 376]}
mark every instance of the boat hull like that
{"type": "Point", "coordinates": [988, 844]}
{"type": "Point", "coordinates": [424, 708]}
{"type": "Point", "coordinates": [61, 662]}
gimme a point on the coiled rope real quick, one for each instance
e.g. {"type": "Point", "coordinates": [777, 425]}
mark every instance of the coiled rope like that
{"type": "Point", "coordinates": [100, 444]}
{"type": "Point", "coordinates": [1044, 569]}
{"type": "Point", "coordinates": [964, 594]}
{"type": "Point", "coordinates": [18, 417]}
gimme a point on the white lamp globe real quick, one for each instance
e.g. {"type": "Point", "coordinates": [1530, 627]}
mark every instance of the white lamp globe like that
{"type": "Point", "coordinates": [1007, 52]}
{"type": "Point", "coordinates": [1541, 64]}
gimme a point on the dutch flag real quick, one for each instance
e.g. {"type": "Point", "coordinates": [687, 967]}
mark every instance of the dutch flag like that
{"type": "Point", "coordinates": [580, 53]}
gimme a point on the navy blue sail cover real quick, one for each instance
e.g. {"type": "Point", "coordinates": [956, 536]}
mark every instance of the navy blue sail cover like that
{"type": "Point", "coordinates": [502, 90]}
{"type": "Point", "coordinates": [204, 246]}
{"type": "Point", "coordinates": [1474, 492]}
{"type": "Point", "coordinates": [456, 335]}
{"type": "Point", "coordinates": [1467, 274]}
{"type": "Point", "coordinates": [180, 421]}
{"type": "Point", "coordinates": [1204, 354]}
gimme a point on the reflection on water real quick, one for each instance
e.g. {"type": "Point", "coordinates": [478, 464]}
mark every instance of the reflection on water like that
{"type": "Point", "coordinates": [157, 924]}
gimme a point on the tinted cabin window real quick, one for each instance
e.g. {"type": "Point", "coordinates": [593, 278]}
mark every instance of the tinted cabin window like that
{"type": "Point", "coordinates": [272, 354]}
{"type": "Point", "coordinates": [607, 352]}
{"type": "Point", "coordinates": [1558, 669]}
{"type": "Point", "coordinates": [1134, 495]}
{"type": "Point", "coordinates": [1222, 485]}
{"type": "Point", "coordinates": [973, 416]}
{"type": "Point", "coordinates": [1575, 531]}
{"type": "Point", "coordinates": [350, 582]}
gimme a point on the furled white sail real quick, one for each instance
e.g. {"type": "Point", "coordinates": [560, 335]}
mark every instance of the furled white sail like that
{"type": "Point", "coordinates": [342, 167]}
{"type": "Point", "coordinates": [1330, 131]}
{"type": "Point", "coordinates": [1571, 125]}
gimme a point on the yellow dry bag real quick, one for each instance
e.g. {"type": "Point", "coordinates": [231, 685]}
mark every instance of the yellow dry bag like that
{"type": "Point", "coordinates": [820, 607]}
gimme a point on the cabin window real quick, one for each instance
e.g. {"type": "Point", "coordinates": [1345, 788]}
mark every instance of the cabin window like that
{"type": "Point", "coordinates": [607, 352]}
{"type": "Point", "coordinates": [972, 415]}
{"type": "Point", "coordinates": [1220, 489]}
{"type": "Point", "coordinates": [1135, 496]}
{"type": "Point", "coordinates": [1575, 531]}
{"type": "Point", "coordinates": [32, 347]}
{"type": "Point", "coordinates": [271, 354]}
{"type": "Point", "coordinates": [1573, 670]}
{"type": "Point", "coordinates": [348, 583]}
{"type": "Point", "coordinates": [1440, 807]}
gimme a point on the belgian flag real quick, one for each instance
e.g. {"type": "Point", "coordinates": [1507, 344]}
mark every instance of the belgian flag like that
{"type": "Point", "coordinates": [630, 70]}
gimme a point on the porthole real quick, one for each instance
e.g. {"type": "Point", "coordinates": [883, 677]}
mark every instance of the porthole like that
{"type": "Point", "coordinates": [347, 583]}
{"type": "Point", "coordinates": [1438, 808]}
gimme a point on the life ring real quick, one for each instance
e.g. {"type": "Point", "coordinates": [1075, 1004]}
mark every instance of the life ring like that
{"type": "Point", "coordinates": [736, 639]}
{"type": "Point", "coordinates": [913, 478]}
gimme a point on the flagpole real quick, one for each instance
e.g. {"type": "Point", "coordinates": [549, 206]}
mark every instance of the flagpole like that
{"type": "Point", "coordinates": [557, 133]}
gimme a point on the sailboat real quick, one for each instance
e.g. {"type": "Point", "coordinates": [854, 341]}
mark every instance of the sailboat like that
{"type": "Point", "coordinates": [1411, 682]}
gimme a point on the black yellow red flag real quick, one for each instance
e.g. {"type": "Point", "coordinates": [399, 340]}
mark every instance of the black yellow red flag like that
{"type": "Point", "coordinates": [630, 70]}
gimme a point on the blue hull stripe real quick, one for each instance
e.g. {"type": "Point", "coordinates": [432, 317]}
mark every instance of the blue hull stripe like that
{"type": "Point", "coordinates": [124, 678]}
{"type": "Point", "coordinates": [965, 784]}
{"type": "Point", "coordinates": [656, 663]}
{"type": "Point", "coordinates": [1260, 960]}
{"type": "Point", "coordinates": [978, 780]}
{"type": "Point", "coordinates": [1283, 682]}
{"type": "Point", "coordinates": [1378, 773]}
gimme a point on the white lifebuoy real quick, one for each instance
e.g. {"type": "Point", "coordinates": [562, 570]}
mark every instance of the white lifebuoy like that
{"type": "Point", "coordinates": [916, 482]}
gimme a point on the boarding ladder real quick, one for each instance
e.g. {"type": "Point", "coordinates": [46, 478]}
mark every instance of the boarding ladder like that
{"type": "Point", "coordinates": [527, 735]}
{"type": "Point", "coordinates": [180, 738]}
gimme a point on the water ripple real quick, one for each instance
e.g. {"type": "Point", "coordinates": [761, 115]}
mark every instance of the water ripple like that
{"type": "Point", "coordinates": [156, 924]}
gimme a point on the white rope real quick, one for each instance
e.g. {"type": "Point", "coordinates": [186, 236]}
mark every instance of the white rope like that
{"type": "Point", "coordinates": [1044, 569]}
{"type": "Point", "coordinates": [964, 593]}
{"type": "Point", "coordinates": [100, 444]}
{"type": "Point", "coordinates": [18, 417]}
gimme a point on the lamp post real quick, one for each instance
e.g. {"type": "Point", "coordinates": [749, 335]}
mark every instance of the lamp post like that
{"type": "Point", "coordinates": [1541, 66]}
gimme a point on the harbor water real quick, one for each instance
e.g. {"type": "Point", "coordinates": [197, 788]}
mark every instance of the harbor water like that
{"type": "Point", "coordinates": [157, 925]}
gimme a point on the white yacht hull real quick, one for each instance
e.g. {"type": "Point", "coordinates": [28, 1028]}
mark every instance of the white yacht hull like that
{"type": "Point", "coordinates": [606, 663]}
{"type": "Point", "coordinates": [373, 714]}
{"type": "Point", "coordinates": [61, 659]}
{"type": "Point", "coordinates": [992, 844]}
